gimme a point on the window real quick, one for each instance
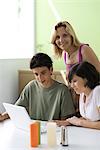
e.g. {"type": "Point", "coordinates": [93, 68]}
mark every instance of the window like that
{"type": "Point", "coordinates": [16, 28]}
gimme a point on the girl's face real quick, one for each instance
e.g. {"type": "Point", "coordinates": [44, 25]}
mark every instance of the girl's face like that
{"type": "Point", "coordinates": [63, 39]}
{"type": "Point", "coordinates": [78, 84]}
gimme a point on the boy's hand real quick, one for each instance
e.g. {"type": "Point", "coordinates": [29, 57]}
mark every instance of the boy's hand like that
{"type": "Point", "coordinates": [4, 116]}
{"type": "Point", "coordinates": [1, 117]}
{"type": "Point", "coordinates": [62, 122]}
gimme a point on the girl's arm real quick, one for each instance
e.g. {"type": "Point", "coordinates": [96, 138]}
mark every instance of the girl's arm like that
{"type": "Point", "coordinates": [84, 123]}
{"type": "Point", "coordinates": [90, 124]}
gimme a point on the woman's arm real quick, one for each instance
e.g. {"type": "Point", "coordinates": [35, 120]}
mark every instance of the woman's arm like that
{"type": "Point", "coordinates": [89, 55]}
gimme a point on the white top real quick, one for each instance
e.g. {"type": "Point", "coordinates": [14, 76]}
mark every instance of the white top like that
{"type": "Point", "coordinates": [91, 108]}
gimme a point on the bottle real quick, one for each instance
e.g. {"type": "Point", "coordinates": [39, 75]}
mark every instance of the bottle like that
{"type": "Point", "coordinates": [35, 134]}
{"type": "Point", "coordinates": [64, 136]}
{"type": "Point", "coordinates": [51, 134]}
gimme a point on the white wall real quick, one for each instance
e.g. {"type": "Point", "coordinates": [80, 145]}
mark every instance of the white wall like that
{"type": "Point", "coordinates": [9, 79]}
{"type": "Point", "coordinates": [16, 28]}
{"type": "Point", "coordinates": [16, 41]}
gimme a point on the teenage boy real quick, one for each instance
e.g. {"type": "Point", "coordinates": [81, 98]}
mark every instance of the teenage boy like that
{"type": "Point", "coordinates": [44, 98]}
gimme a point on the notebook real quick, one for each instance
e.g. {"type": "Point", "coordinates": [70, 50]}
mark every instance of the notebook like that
{"type": "Point", "coordinates": [20, 117]}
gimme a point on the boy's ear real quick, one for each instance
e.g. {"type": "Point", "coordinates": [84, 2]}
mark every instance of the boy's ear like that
{"type": "Point", "coordinates": [51, 70]}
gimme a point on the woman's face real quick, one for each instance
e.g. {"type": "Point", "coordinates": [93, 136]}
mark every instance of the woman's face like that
{"type": "Point", "coordinates": [63, 39]}
{"type": "Point", "coordinates": [78, 84]}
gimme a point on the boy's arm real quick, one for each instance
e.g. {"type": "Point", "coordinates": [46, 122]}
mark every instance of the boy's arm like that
{"type": "Point", "coordinates": [67, 106]}
{"type": "Point", "coordinates": [4, 116]}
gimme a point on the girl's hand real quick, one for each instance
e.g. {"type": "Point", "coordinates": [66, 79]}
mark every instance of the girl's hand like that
{"type": "Point", "coordinates": [75, 121]}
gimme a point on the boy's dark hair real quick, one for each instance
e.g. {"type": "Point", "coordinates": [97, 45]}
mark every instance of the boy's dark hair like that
{"type": "Point", "coordinates": [86, 71]}
{"type": "Point", "coordinates": [41, 60]}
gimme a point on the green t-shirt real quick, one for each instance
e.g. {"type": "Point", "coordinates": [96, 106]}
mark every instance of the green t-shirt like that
{"type": "Point", "coordinates": [50, 103]}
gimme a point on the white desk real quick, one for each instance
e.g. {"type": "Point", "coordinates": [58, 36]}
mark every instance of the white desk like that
{"type": "Point", "coordinates": [78, 139]}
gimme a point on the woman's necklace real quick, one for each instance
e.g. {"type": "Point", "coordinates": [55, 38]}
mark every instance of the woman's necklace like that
{"type": "Point", "coordinates": [72, 53]}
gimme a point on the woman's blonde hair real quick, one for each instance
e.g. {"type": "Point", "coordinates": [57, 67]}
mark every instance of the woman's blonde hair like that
{"type": "Point", "coordinates": [70, 30]}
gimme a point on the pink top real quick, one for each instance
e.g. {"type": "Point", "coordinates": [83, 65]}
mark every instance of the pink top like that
{"type": "Point", "coordinates": [68, 66]}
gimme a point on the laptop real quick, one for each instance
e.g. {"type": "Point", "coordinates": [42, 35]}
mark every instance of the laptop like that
{"type": "Point", "coordinates": [20, 117]}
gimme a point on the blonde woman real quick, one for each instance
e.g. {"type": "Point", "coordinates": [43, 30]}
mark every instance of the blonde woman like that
{"type": "Point", "coordinates": [66, 44]}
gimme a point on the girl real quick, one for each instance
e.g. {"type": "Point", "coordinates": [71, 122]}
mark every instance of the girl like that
{"type": "Point", "coordinates": [85, 80]}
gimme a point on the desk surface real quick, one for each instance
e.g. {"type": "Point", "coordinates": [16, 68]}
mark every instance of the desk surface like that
{"type": "Point", "coordinates": [78, 139]}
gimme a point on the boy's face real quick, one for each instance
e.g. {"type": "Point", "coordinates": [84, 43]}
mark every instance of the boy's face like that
{"type": "Point", "coordinates": [43, 76]}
